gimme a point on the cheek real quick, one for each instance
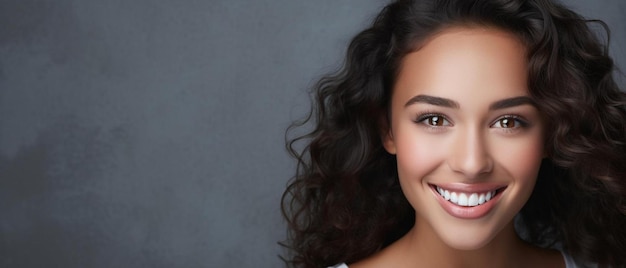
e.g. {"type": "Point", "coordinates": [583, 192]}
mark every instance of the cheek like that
{"type": "Point", "coordinates": [417, 155]}
{"type": "Point", "coordinates": [521, 158]}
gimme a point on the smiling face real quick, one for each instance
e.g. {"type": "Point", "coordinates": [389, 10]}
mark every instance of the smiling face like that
{"type": "Point", "coordinates": [467, 137]}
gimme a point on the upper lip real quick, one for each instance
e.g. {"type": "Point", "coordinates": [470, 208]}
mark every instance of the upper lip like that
{"type": "Point", "coordinates": [470, 187]}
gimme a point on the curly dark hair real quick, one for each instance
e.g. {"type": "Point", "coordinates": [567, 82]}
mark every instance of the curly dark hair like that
{"type": "Point", "coordinates": [345, 201]}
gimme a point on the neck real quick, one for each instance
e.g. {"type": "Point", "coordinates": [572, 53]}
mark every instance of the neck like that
{"type": "Point", "coordinates": [428, 250]}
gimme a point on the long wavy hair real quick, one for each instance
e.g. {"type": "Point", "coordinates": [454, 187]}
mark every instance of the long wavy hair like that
{"type": "Point", "coordinates": [345, 201]}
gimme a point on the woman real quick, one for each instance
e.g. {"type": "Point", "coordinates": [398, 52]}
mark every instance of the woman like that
{"type": "Point", "coordinates": [452, 122]}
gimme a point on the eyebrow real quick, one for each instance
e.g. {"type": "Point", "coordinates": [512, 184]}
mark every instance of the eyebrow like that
{"type": "Point", "coordinates": [512, 102]}
{"type": "Point", "coordinates": [501, 104]}
{"type": "Point", "coordinates": [433, 100]}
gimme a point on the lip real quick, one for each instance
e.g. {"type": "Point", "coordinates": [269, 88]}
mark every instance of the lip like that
{"type": "Point", "coordinates": [470, 188]}
{"type": "Point", "coordinates": [468, 212]}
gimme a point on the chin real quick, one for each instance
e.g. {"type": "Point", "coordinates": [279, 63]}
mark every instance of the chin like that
{"type": "Point", "coordinates": [468, 239]}
{"type": "Point", "coordinates": [467, 244]}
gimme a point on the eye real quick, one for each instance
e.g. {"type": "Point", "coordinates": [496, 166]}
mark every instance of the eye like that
{"type": "Point", "coordinates": [509, 122]}
{"type": "Point", "coordinates": [433, 120]}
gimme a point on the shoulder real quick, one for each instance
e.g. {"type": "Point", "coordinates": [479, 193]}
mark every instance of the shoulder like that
{"type": "Point", "coordinates": [569, 262]}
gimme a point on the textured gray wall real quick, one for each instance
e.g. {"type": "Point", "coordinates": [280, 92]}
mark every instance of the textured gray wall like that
{"type": "Point", "coordinates": [150, 133]}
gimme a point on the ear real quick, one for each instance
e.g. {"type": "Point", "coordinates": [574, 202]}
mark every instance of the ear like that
{"type": "Point", "coordinates": [386, 135]}
{"type": "Point", "coordinates": [389, 142]}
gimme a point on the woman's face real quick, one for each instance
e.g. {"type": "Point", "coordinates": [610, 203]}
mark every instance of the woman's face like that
{"type": "Point", "coordinates": [468, 139]}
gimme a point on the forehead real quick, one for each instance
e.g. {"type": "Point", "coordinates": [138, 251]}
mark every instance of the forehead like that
{"type": "Point", "coordinates": [461, 62]}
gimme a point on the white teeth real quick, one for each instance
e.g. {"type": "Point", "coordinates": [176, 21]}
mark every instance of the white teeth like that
{"type": "Point", "coordinates": [473, 200]}
{"type": "Point", "coordinates": [481, 199]}
{"type": "Point", "coordinates": [462, 199]}
{"type": "Point", "coordinates": [466, 199]}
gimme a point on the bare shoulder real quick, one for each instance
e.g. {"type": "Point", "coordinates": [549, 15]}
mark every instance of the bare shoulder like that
{"type": "Point", "coordinates": [387, 257]}
{"type": "Point", "coordinates": [376, 260]}
{"type": "Point", "coordinates": [373, 261]}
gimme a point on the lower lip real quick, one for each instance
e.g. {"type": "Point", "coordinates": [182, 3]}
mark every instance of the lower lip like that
{"type": "Point", "coordinates": [467, 212]}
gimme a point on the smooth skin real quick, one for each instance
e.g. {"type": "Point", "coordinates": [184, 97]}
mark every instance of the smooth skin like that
{"type": "Point", "coordinates": [461, 114]}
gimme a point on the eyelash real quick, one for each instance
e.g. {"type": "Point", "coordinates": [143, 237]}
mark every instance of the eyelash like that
{"type": "Point", "coordinates": [518, 121]}
{"type": "Point", "coordinates": [423, 117]}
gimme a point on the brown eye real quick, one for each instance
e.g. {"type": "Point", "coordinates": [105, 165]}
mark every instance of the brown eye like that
{"type": "Point", "coordinates": [433, 120]}
{"type": "Point", "coordinates": [507, 123]}
{"type": "Point", "coordinates": [436, 121]}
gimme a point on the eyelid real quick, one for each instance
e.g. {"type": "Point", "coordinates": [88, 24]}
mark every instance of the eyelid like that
{"type": "Point", "coordinates": [422, 117]}
{"type": "Point", "coordinates": [523, 122]}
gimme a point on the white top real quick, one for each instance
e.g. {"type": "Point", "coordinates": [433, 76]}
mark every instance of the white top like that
{"type": "Point", "coordinates": [569, 262]}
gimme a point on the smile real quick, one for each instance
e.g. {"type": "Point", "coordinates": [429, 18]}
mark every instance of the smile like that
{"type": "Point", "coordinates": [468, 201]}
{"type": "Point", "coordinates": [465, 199]}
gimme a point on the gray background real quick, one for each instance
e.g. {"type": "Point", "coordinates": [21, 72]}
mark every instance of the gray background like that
{"type": "Point", "coordinates": [150, 133]}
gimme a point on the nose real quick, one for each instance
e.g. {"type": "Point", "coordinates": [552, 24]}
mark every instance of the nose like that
{"type": "Point", "coordinates": [470, 154]}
